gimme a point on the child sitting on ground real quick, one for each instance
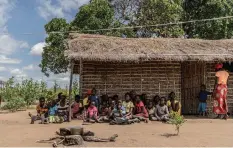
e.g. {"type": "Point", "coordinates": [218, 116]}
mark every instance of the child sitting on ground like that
{"type": "Point", "coordinates": [203, 95]}
{"type": "Point", "coordinates": [156, 100]}
{"type": "Point", "coordinates": [76, 107]}
{"type": "Point", "coordinates": [161, 111]}
{"type": "Point", "coordinates": [140, 110]}
{"type": "Point", "coordinates": [53, 118]}
{"type": "Point", "coordinates": [104, 111]}
{"type": "Point", "coordinates": [128, 105]}
{"type": "Point", "coordinates": [42, 112]}
{"type": "Point", "coordinates": [91, 113]}
{"type": "Point", "coordinates": [151, 110]}
{"type": "Point", "coordinates": [63, 110]}
{"type": "Point", "coordinates": [173, 104]}
{"type": "Point", "coordinates": [118, 114]}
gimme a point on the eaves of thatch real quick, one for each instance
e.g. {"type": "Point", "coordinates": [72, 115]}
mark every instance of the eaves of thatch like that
{"type": "Point", "coordinates": [104, 48]}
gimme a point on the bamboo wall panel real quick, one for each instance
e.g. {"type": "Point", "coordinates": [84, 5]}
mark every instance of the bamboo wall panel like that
{"type": "Point", "coordinates": [152, 78]}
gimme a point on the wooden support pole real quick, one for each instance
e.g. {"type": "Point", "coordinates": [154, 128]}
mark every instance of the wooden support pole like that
{"type": "Point", "coordinates": [80, 78]}
{"type": "Point", "coordinates": [70, 87]}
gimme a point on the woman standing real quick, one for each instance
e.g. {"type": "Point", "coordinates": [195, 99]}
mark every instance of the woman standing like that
{"type": "Point", "coordinates": [220, 92]}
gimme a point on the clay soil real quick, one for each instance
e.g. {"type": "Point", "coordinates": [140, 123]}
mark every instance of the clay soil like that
{"type": "Point", "coordinates": [16, 131]}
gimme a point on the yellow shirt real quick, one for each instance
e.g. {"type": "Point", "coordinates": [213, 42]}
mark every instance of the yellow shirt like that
{"type": "Point", "coordinates": [85, 101]}
{"type": "Point", "coordinates": [128, 106]}
{"type": "Point", "coordinates": [169, 105]}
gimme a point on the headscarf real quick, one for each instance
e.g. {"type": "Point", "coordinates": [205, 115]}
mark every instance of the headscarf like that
{"type": "Point", "coordinates": [218, 66]}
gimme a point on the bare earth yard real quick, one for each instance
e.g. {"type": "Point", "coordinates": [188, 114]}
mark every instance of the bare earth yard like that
{"type": "Point", "coordinates": [16, 131]}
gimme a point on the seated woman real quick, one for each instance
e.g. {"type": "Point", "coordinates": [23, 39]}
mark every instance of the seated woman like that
{"type": "Point", "coordinates": [140, 111]}
{"type": "Point", "coordinates": [118, 114]}
{"type": "Point", "coordinates": [91, 113]}
{"type": "Point", "coordinates": [173, 104]}
{"type": "Point", "coordinates": [161, 111]}
{"type": "Point", "coordinates": [63, 110]}
{"type": "Point", "coordinates": [76, 108]}
{"type": "Point", "coordinates": [151, 110]}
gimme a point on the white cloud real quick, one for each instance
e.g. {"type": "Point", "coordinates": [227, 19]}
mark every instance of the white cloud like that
{"type": "Point", "coordinates": [29, 67]}
{"type": "Point", "coordinates": [5, 7]}
{"type": "Point", "coordinates": [7, 43]}
{"type": "Point", "coordinates": [6, 60]}
{"type": "Point", "coordinates": [18, 73]}
{"type": "Point", "coordinates": [60, 8]}
{"type": "Point", "coordinates": [37, 49]}
{"type": "Point", "coordinates": [2, 68]}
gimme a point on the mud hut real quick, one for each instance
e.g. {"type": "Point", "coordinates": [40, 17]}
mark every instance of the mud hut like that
{"type": "Point", "coordinates": [155, 66]}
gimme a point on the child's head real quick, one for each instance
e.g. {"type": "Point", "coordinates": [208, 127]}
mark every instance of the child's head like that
{"type": "Point", "coordinates": [77, 98]}
{"type": "Point", "coordinates": [92, 104]}
{"type": "Point", "coordinates": [203, 87]}
{"type": "Point", "coordinates": [93, 91]}
{"type": "Point", "coordinates": [147, 101]}
{"type": "Point", "coordinates": [132, 94]}
{"type": "Point", "coordinates": [115, 97]}
{"type": "Point", "coordinates": [59, 96]}
{"type": "Point", "coordinates": [127, 97]}
{"type": "Point", "coordinates": [156, 100]}
{"type": "Point", "coordinates": [119, 104]}
{"type": "Point", "coordinates": [42, 100]}
{"type": "Point", "coordinates": [63, 98]}
{"type": "Point", "coordinates": [112, 104]}
{"type": "Point", "coordinates": [138, 99]}
{"type": "Point", "coordinates": [162, 101]}
{"type": "Point", "coordinates": [172, 95]}
{"type": "Point", "coordinates": [53, 103]}
{"type": "Point", "coordinates": [150, 104]}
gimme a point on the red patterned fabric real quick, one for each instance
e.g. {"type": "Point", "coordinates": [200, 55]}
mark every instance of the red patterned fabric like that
{"type": "Point", "coordinates": [220, 99]}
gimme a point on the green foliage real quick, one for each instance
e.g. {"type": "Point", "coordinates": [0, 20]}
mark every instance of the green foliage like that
{"type": "Point", "coordinates": [15, 104]}
{"type": "Point", "coordinates": [206, 9]}
{"type": "Point", "coordinates": [176, 120]}
{"type": "Point", "coordinates": [53, 57]}
{"type": "Point", "coordinates": [153, 12]}
{"type": "Point", "coordinates": [98, 14]}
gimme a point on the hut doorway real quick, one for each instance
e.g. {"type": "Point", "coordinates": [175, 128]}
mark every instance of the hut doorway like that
{"type": "Point", "coordinates": [193, 75]}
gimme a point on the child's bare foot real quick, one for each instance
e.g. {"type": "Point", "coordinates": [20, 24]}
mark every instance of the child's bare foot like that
{"type": "Point", "coordinates": [29, 114]}
{"type": "Point", "coordinates": [146, 121]}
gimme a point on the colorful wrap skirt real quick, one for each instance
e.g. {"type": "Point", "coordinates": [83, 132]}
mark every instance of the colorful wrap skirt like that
{"type": "Point", "coordinates": [220, 99]}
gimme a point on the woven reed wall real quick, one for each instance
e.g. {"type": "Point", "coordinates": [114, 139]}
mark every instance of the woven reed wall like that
{"type": "Point", "coordinates": [152, 78]}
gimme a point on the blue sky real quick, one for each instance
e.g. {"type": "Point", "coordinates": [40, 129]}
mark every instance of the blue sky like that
{"type": "Point", "coordinates": [20, 54]}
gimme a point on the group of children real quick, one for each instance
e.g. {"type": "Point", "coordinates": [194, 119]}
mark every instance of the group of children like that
{"type": "Point", "coordinates": [132, 108]}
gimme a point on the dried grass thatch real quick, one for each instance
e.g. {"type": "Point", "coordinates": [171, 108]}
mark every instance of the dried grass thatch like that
{"type": "Point", "coordinates": [105, 48]}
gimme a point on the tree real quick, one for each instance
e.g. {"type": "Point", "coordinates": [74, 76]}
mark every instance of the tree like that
{"type": "Point", "coordinates": [126, 10]}
{"type": "Point", "coordinates": [98, 14]}
{"type": "Point", "coordinates": [53, 57]}
{"type": "Point", "coordinates": [206, 9]}
{"type": "Point", "coordinates": [153, 12]}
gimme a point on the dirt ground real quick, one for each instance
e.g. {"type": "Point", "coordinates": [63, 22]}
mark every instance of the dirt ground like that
{"type": "Point", "coordinates": [16, 131]}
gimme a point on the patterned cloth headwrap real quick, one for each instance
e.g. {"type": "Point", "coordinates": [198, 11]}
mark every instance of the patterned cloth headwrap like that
{"type": "Point", "coordinates": [218, 66]}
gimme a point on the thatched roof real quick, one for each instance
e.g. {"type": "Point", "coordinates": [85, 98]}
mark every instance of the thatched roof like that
{"type": "Point", "coordinates": [105, 48]}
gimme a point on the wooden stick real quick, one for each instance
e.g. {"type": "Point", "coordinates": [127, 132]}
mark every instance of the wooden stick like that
{"type": "Point", "coordinates": [70, 88]}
